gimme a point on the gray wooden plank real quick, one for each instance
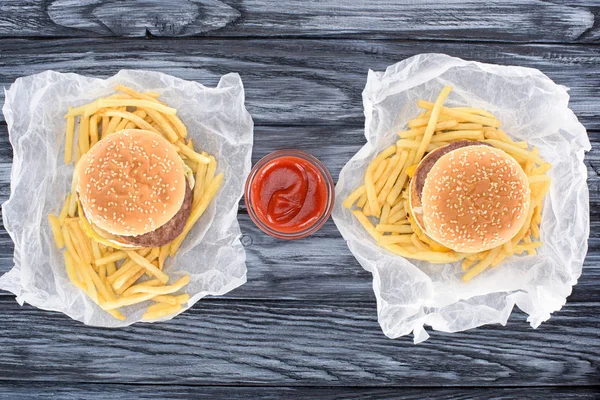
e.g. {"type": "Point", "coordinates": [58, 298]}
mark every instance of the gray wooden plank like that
{"type": "Point", "coordinates": [295, 82]}
{"type": "Point", "coordinates": [514, 20]}
{"type": "Point", "coordinates": [296, 343]}
{"type": "Point", "coordinates": [50, 390]}
{"type": "Point", "coordinates": [321, 267]}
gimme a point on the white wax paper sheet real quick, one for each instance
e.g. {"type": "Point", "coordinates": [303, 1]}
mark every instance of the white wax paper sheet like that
{"type": "Point", "coordinates": [212, 254]}
{"type": "Point", "coordinates": [411, 294]}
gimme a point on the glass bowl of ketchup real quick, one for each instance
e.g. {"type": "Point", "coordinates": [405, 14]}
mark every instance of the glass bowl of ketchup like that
{"type": "Point", "coordinates": [289, 194]}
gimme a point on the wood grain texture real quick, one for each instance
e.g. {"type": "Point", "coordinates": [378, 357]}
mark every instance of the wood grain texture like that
{"type": "Point", "coordinates": [49, 390]}
{"type": "Point", "coordinates": [295, 82]}
{"type": "Point", "coordinates": [295, 343]}
{"type": "Point", "coordinates": [305, 324]}
{"type": "Point", "coordinates": [321, 267]}
{"type": "Point", "coordinates": [514, 20]}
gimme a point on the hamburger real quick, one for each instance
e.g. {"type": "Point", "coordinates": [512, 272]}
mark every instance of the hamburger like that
{"type": "Point", "coordinates": [469, 196]}
{"type": "Point", "coordinates": [133, 190]}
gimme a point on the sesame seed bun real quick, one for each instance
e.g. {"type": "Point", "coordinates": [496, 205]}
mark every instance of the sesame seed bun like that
{"type": "Point", "coordinates": [131, 183]}
{"type": "Point", "coordinates": [469, 196]}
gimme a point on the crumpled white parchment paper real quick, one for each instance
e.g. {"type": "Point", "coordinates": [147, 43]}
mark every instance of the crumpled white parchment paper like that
{"type": "Point", "coordinates": [212, 254]}
{"type": "Point", "coordinates": [412, 294]}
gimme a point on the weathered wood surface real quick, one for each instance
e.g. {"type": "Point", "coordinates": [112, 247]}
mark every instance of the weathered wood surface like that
{"type": "Point", "coordinates": [222, 342]}
{"type": "Point", "coordinates": [305, 324]}
{"type": "Point", "coordinates": [296, 82]}
{"type": "Point", "coordinates": [499, 20]}
{"type": "Point", "coordinates": [50, 390]}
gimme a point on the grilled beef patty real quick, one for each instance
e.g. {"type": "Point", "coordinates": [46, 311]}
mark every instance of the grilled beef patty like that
{"type": "Point", "coordinates": [169, 231]}
{"type": "Point", "coordinates": [429, 161]}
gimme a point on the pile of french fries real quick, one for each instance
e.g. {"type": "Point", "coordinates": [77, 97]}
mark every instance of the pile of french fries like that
{"type": "Point", "coordinates": [111, 276]}
{"type": "Point", "coordinates": [381, 203]}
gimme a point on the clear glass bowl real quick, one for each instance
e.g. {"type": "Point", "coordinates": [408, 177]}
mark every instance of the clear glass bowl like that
{"type": "Point", "coordinates": [328, 184]}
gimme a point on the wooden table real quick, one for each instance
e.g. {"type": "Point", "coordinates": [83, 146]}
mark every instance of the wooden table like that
{"type": "Point", "coordinates": [305, 324]}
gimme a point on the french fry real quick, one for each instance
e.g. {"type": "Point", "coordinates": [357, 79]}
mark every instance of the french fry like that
{"type": "Point", "coordinates": [69, 136]}
{"type": "Point", "coordinates": [143, 262]}
{"type": "Point", "coordinates": [158, 306]}
{"type": "Point", "coordinates": [200, 179]}
{"type": "Point", "coordinates": [362, 200]}
{"type": "Point", "coordinates": [435, 113]}
{"type": "Point", "coordinates": [72, 204]}
{"type": "Point", "coordinates": [151, 282]}
{"type": "Point", "coordinates": [90, 288]}
{"type": "Point", "coordinates": [64, 212]}
{"type": "Point", "coordinates": [394, 239]}
{"type": "Point", "coordinates": [100, 287]}
{"type": "Point", "coordinates": [93, 130]}
{"type": "Point", "coordinates": [56, 232]}
{"type": "Point", "coordinates": [538, 179]}
{"type": "Point", "coordinates": [508, 248]}
{"type": "Point", "coordinates": [164, 252]}
{"type": "Point", "coordinates": [542, 169]}
{"type": "Point", "coordinates": [124, 301]}
{"type": "Point", "coordinates": [173, 119]}
{"type": "Point", "coordinates": [418, 244]}
{"type": "Point", "coordinates": [462, 115]}
{"type": "Point", "coordinates": [420, 122]}
{"type": "Point", "coordinates": [122, 125]}
{"type": "Point", "coordinates": [180, 299]}
{"type": "Point", "coordinates": [102, 272]}
{"type": "Point", "coordinates": [136, 119]}
{"type": "Point", "coordinates": [369, 185]}
{"type": "Point", "coordinates": [431, 256]}
{"type": "Point", "coordinates": [81, 248]}
{"type": "Point", "coordinates": [162, 312]}
{"type": "Point", "coordinates": [112, 257]}
{"type": "Point", "coordinates": [385, 212]}
{"type": "Point", "coordinates": [126, 284]}
{"type": "Point", "coordinates": [96, 253]}
{"type": "Point", "coordinates": [440, 126]}
{"type": "Point", "coordinates": [91, 108]}
{"type": "Point", "coordinates": [105, 122]}
{"type": "Point", "coordinates": [197, 212]}
{"type": "Point", "coordinates": [199, 158]}
{"type": "Point", "coordinates": [481, 265]}
{"type": "Point", "coordinates": [465, 126]}
{"type": "Point", "coordinates": [399, 185]}
{"type": "Point", "coordinates": [71, 273]}
{"type": "Point", "coordinates": [499, 258]}
{"type": "Point", "coordinates": [394, 228]}
{"type": "Point", "coordinates": [165, 126]}
{"type": "Point", "coordinates": [352, 197]}
{"type": "Point", "coordinates": [116, 314]}
{"type": "Point", "coordinates": [364, 221]}
{"type": "Point", "coordinates": [159, 290]}
{"type": "Point", "coordinates": [457, 135]}
{"type": "Point", "coordinates": [83, 140]}
{"type": "Point", "coordinates": [531, 246]}
{"type": "Point", "coordinates": [527, 241]}
{"type": "Point", "coordinates": [145, 104]}
{"type": "Point", "coordinates": [466, 264]}
{"type": "Point", "coordinates": [389, 184]}
{"type": "Point", "coordinates": [382, 179]}
{"type": "Point", "coordinates": [112, 126]}
{"type": "Point", "coordinates": [126, 267]}
{"type": "Point", "coordinates": [472, 110]}
{"type": "Point", "coordinates": [165, 299]}
{"type": "Point", "coordinates": [515, 151]}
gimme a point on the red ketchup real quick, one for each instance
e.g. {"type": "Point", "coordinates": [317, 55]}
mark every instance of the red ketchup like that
{"type": "Point", "coordinates": [289, 194]}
